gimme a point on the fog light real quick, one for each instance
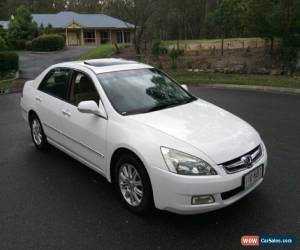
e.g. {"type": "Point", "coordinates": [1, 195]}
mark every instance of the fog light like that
{"type": "Point", "coordinates": [202, 199]}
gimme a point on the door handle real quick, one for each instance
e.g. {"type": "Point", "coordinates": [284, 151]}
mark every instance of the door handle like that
{"type": "Point", "coordinates": [39, 99]}
{"type": "Point", "coordinates": [66, 113]}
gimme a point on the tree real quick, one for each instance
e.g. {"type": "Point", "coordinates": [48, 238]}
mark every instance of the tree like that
{"type": "Point", "coordinates": [228, 20]}
{"type": "Point", "coordinates": [291, 32]}
{"type": "Point", "coordinates": [21, 28]}
{"type": "Point", "coordinates": [263, 19]}
{"type": "Point", "coordinates": [137, 12]}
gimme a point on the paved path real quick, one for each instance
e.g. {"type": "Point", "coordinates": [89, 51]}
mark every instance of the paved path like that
{"type": "Point", "coordinates": [50, 201]}
{"type": "Point", "coordinates": [32, 64]}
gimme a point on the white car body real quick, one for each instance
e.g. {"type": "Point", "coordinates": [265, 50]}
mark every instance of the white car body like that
{"type": "Point", "coordinates": [198, 128]}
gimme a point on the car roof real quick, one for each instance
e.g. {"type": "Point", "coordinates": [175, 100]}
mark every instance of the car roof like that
{"type": "Point", "coordinates": [99, 66]}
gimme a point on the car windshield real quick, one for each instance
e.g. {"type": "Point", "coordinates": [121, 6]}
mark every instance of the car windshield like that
{"type": "Point", "coordinates": [142, 90]}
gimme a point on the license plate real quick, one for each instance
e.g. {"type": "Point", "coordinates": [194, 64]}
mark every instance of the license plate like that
{"type": "Point", "coordinates": [254, 176]}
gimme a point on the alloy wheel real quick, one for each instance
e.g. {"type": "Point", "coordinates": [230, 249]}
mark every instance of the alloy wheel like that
{"type": "Point", "coordinates": [130, 184]}
{"type": "Point", "coordinates": [37, 131]}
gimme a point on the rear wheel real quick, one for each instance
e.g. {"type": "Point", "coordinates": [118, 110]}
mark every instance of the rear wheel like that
{"type": "Point", "coordinates": [133, 184]}
{"type": "Point", "coordinates": [37, 133]}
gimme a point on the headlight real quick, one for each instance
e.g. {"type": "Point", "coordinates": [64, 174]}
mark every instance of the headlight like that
{"type": "Point", "coordinates": [184, 164]}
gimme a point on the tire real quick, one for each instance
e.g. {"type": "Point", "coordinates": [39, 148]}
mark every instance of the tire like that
{"type": "Point", "coordinates": [37, 133]}
{"type": "Point", "coordinates": [137, 198]}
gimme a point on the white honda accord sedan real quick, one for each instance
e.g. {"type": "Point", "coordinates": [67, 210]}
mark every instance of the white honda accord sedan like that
{"type": "Point", "coordinates": [161, 146]}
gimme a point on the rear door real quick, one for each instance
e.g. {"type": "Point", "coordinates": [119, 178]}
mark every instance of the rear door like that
{"type": "Point", "coordinates": [85, 134]}
{"type": "Point", "coordinates": [50, 99]}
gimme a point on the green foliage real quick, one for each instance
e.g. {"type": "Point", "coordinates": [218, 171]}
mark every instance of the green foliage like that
{"type": "Point", "coordinates": [9, 61]}
{"type": "Point", "coordinates": [269, 19]}
{"type": "Point", "coordinates": [291, 35]}
{"type": "Point", "coordinates": [198, 78]}
{"type": "Point", "coordinates": [2, 44]}
{"type": "Point", "coordinates": [263, 18]}
{"type": "Point", "coordinates": [174, 55]}
{"type": "Point", "coordinates": [20, 44]}
{"type": "Point", "coordinates": [21, 28]}
{"type": "Point", "coordinates": [228, 20]}
{"type": "Point", "coordinates": [158, 50]}
{"type": "Point", "coordinates": [28, 45]}
{"type": "Point", "coordinates": [48, 43]}
{"type": "Point", "coordinates": [160, 65]}
{"type": "Point", "coordinates": [46, 30]}
{"type": "Point", "coordinates": [103, 51]}
{"type": "Point", "coordinates": [2, 32]}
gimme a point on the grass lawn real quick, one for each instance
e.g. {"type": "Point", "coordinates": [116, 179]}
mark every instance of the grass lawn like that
{"type": "Point", "coordinates": [103, 51]}
{"type": "Point", "coordinates": [198, 78]}
{"type": "Point", "coordinates": [4, 85]}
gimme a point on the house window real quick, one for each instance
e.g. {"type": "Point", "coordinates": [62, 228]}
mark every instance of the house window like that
{"type": "Point", "coordinates": [119, 37]}
{"type": "Point", "coordinates": [105, 36]}
{"type": "Point", "coordinates": [123, 37]}
{"type": "Point", "coordinates": [127, 37]}
{"type": "Point", "coordinates": [89, 36]}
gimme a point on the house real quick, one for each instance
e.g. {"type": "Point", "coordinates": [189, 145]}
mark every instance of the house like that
{"type": "Point", "coordinates": [85, 29]}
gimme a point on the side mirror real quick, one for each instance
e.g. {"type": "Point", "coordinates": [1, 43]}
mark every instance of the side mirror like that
{"type": "Point", "coordinates": [184, 86]}
{"type": "Point", "coordinates": [91, 107]}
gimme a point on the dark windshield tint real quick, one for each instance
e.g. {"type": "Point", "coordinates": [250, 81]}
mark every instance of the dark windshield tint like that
{"type": "Point", "coordinates": [142, 90]}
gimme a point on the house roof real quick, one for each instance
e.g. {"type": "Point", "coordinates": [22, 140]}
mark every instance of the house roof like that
{"type": "Point", "coordinates": [65, 18]}
{"type": "Point", "coordinates": [4, 24]}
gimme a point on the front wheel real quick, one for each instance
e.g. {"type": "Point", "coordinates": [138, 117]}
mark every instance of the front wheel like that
{"type": "Point", "coordinates": [37, 133]}
{"type": "Point", "coordinates": [133, 184]}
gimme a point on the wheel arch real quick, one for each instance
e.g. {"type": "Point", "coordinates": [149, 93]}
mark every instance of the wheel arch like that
{"type": "Point", "coordinates": [31, 113]}
{"type": "Point", "coordinates": [117, 153]}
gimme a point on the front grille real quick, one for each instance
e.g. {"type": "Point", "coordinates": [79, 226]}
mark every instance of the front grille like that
{"type": "Point", "coordinates": [238, 164]}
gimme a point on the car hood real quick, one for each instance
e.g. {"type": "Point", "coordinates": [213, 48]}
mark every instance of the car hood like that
{"type": "Point", "coordinates": [216, 132]}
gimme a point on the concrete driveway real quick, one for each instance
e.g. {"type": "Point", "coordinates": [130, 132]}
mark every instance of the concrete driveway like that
{"type": "Point", "coordinates": [50, 201]}
{"type": "Point", "coordinates": [32, 64]}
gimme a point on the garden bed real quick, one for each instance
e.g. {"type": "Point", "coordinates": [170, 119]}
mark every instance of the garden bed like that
{"type": "Point", "coordinates": [6, 80]}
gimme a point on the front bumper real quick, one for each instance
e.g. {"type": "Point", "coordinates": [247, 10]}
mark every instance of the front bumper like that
{"type": "Point", "coordinates": [173, 192]}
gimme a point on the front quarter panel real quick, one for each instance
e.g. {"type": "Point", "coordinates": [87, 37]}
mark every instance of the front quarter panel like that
{"type": "Point", "coordinates": [145, 142]}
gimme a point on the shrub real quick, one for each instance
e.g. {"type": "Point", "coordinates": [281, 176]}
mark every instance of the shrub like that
{"type": "Point", "coordinates": [174, 55]}
{"type": "Point", "coordinates": [8, 61]}
{"type": "Point", "coordinates": [2, 44]}
{"type": "Point", "coordinates": [29, 45]}
{"type": "Point", "coordinates": [155, 48]}
{"type": "Point", "coordinates": [48, 43]}
{"type": "Point", "coordinates": [158, 50]}
{"type": "Point", "coordinates": [19, 44]}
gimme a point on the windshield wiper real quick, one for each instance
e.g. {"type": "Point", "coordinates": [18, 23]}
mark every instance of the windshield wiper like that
{"type": "Point", "coordinates": [163, 106]}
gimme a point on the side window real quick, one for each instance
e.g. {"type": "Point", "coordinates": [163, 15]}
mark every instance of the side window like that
{"type": "Point", "coordinates": [56, 83]}
{"type": "Point", "coordinates": [82, 89]}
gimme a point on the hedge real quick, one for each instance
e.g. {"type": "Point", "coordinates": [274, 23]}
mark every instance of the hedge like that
{"type": "Point", "coordinates": [2, 44]}
{"type": "Point", "coordinates": [9, 61]}
{"type": "Point", "coordinates": [49, 42]}
{"type": "Point", "coordinates": [19, 44]}
{"type": "Point", "coordinates": [28, 45]}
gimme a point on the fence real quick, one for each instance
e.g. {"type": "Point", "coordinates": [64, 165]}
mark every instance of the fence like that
{"type": "Point", "coordinates": [228, 44]}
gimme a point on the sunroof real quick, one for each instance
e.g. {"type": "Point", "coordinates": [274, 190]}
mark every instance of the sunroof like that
{"type": "Point", "coordinates": [108, 63]}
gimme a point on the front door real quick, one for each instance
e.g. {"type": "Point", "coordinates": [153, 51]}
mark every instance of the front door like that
{"type": "Point", "coordinates": [73, 38]}
{"type": "Point", "coordinates": [85, 134]}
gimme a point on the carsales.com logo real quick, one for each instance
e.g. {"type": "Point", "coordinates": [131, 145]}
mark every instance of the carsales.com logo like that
{"type": "Point", "coordinates": [267, 240]}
